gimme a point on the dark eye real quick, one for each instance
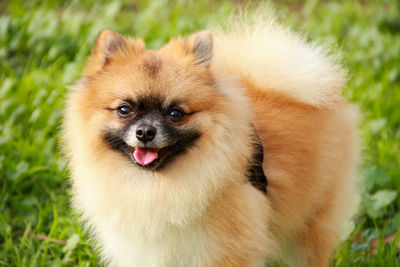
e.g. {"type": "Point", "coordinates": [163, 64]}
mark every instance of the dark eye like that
{"type": "Point", "coordinates": [125, 111]}
{"type": "Point", "coordinates": [176, 114]}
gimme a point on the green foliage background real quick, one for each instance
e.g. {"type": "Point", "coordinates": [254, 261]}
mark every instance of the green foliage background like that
{"type": "Point", "coordinates": [44, 44]}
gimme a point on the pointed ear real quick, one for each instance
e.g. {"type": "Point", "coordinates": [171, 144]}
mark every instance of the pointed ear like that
{"type": "Point", "coordinates": [107, 44]}
{"type": "Point", "coordinates": [201, 45]}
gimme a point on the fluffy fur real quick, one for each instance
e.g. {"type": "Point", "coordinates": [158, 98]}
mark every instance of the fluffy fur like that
{"type": "Point", "coordinates": [200, 210]}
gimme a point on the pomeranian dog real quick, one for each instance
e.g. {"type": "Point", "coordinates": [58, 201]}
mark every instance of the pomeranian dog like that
{"type": "Point", "coordinates": [232, 148]}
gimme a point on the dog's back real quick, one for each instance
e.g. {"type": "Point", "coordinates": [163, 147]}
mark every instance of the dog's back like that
{"type": "Point", "coordinates": [307, 129]}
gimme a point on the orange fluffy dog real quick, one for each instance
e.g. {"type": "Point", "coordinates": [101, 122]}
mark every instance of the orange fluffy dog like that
{"type": "Point", "coordinates": [233, 148]}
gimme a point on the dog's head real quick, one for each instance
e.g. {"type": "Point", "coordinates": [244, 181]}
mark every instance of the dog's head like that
{"type": "Point", "coordinates": [151, 106]}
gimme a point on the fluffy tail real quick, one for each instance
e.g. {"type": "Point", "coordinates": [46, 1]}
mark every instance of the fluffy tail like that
{"type": "Point", "coordinates": [274, 58]}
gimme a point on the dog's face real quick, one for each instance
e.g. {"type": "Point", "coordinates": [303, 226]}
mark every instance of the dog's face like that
{"type": "Point", "coordinates": [152, 131]}
{"type": "Point", "coordinates": [149, 106]}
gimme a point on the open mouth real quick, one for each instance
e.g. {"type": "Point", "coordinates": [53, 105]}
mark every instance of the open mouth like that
{"type": "Point", "coordinates": [152, 156]}
{"type": "Point", "coordinates": [145, 156]}
{"type": "Point", "coordinates": [148, 156]}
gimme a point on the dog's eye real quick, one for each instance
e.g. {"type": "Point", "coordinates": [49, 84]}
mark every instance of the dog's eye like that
{"type": "Point", "coordinates": [176, 114]}
{"type": "Point", "coordinates": [125, 111]}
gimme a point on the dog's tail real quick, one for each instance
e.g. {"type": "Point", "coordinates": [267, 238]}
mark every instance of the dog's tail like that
{"type": "Point", "coordinates": [273, 58]}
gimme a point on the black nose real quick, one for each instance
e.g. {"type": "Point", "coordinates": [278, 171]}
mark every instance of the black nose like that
{"type": "Point", "coordinates": [145, 133]}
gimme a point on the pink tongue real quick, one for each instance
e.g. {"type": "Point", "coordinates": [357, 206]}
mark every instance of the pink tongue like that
{"type": "Point", "coordinates": [145, 156]}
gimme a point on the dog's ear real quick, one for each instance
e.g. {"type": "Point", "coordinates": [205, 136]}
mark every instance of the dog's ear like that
{"type": "Point", "coordinates": [108, 43]}
{"type": "Point", "coordinates": [201, 45]}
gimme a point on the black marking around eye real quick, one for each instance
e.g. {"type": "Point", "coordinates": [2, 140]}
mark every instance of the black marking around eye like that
{"type": "Point", "coordinates": [255, 173]}
{"type": "Point", "coordinates": [148, 104]}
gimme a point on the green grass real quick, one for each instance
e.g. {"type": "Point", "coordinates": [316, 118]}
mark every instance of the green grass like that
{"type": "Point", "coordinates": [43, 46]}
